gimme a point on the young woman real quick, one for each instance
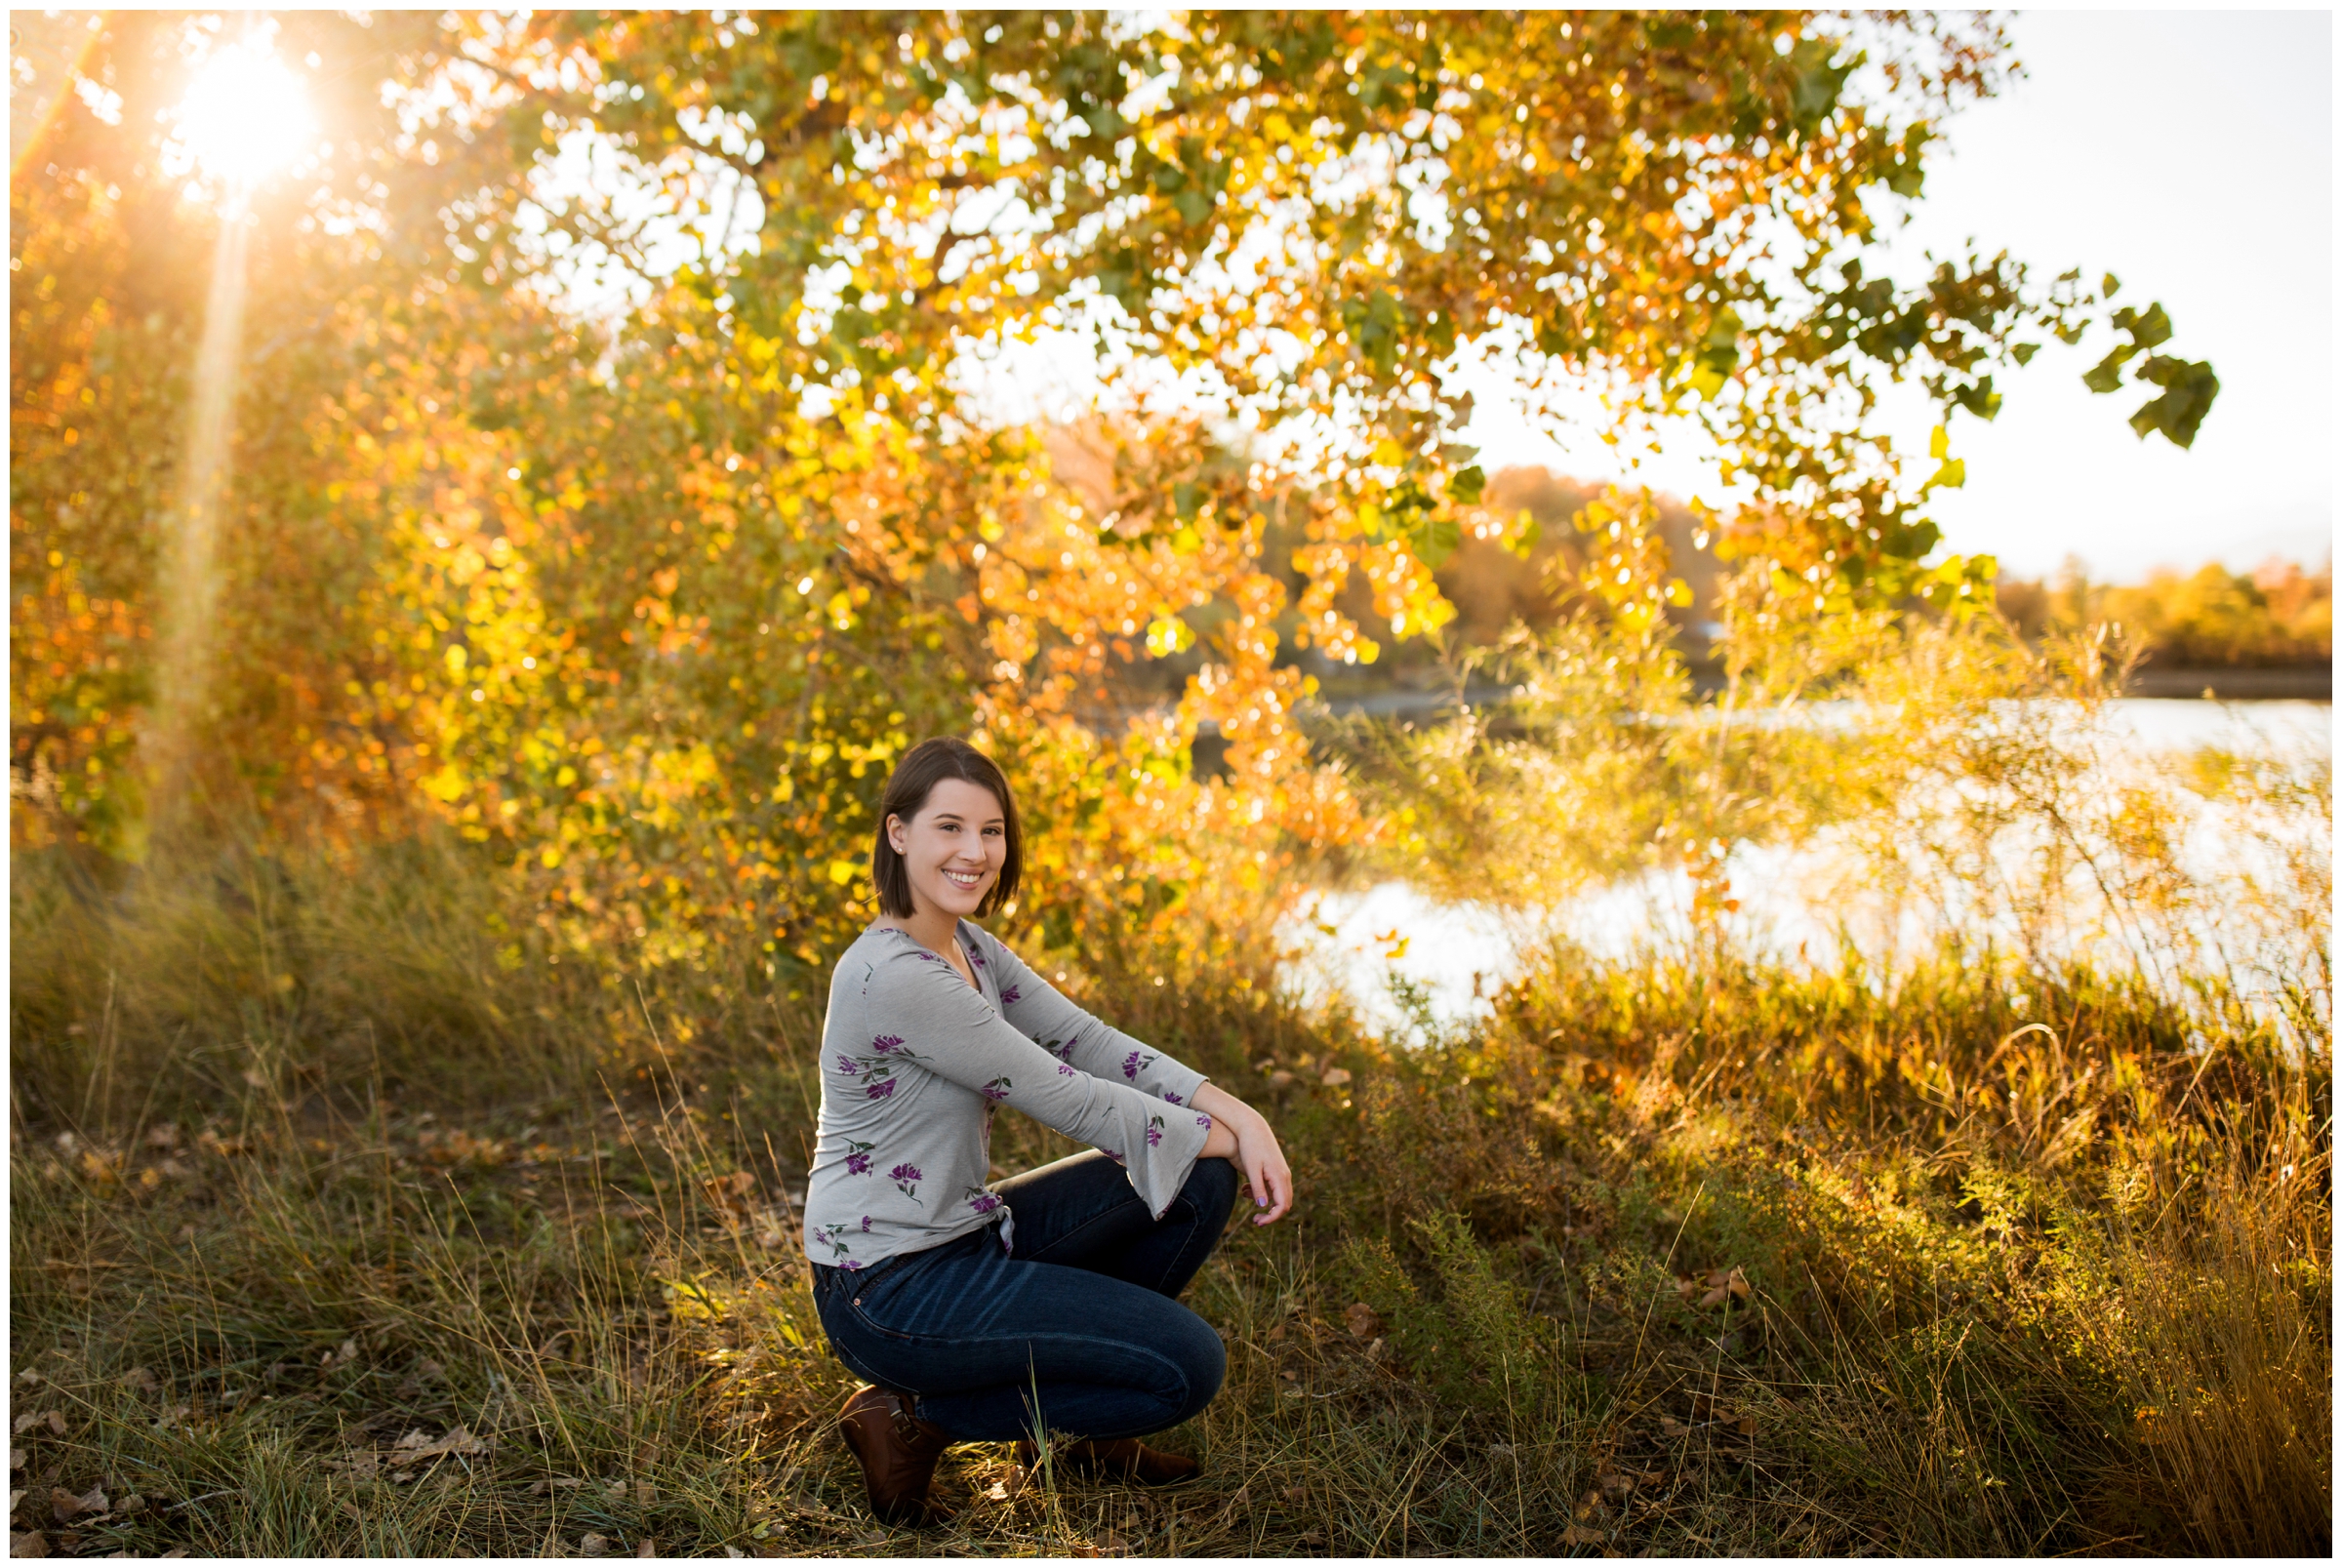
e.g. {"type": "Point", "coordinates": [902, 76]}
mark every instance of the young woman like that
{"type": "Point", "coordinates": [1047, 1302]}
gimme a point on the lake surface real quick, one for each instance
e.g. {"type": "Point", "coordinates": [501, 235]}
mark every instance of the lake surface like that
{"type": "Point", "coordinates": [1373, 947]}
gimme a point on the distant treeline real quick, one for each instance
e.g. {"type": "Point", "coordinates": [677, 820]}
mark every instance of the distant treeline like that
{"type": "Point", "coordinates": [2277, 616]}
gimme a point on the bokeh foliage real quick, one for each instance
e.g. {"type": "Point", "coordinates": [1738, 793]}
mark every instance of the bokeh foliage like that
{"type": "Point", "coordinates": [632, 524]}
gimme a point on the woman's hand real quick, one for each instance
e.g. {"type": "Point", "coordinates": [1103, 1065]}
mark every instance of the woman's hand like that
{"type": "Point", "coordinates": [1241, 1134]}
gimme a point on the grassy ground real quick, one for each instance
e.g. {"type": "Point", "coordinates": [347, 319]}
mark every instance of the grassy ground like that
{"type": "Point", "coordinates": [406, 1254]}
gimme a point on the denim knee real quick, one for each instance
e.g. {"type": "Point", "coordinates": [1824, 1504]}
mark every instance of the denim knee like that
{"type": "Point", "coordinates": [1211, 1191]}
{"type": "Point", "coordinates": [1202, 1361]}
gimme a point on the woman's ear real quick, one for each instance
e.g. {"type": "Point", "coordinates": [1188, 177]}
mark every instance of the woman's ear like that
{"type": "Point", "coordinates": [894, 832]}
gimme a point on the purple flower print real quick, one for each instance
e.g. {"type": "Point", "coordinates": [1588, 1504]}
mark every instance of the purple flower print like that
{"type": "Point", "coordinates": [1174, 1098]}
{"type": "Point", "coordinates": [849, 1265]}
{"type": "Point", "coordinates": [1065, 1072]}
{"type": "Point", "coordinates": [1008, 997]}
{"type": "Point", "coordinates": [1130, 1067]}
{"type": "Point", "coordinates": [906, 1178]}
{"type": "Point", "coordinates": [881, 1089]}
{"type": "Point", "coordinates": [997, 1088]}
{"type": "Point", "coordinates": [885, 1043]}
{"type": "Point", "coordinates": [1065, 1052]}
{"type": "Point", "coordinates": [866, 1225]}
{"type": "Point", "coordinates": [1154, 1132]}
{"type": "Point", "coordinates": [1112, 1155]}
{"type": "Point", "coordinates": [980, 1202]}
{"type": "Point", "coordinates": [857, 1157]}
{"type": "Point", "coordinates": [975, 957]}
{"type": "Point", "coordinates": [845, 1065]}
{"type": "Point", "coordinates": [1202, 1120]}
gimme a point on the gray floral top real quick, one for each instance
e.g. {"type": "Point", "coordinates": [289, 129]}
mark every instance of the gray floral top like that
{"type": "Point", "coordinates": [914, 1065]}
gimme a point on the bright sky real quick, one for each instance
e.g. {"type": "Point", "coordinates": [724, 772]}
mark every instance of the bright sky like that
{"type": "Point", "coordinates": [2191, 153]}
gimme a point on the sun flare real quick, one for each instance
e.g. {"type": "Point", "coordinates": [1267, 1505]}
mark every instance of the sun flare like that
{"type": "Point", "coordinates": [245, 114]}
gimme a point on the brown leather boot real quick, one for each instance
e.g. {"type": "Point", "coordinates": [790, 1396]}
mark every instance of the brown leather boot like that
{"type": "Point", "coordinates": [1125, 1459]}
{"type": "Point", "coordinates": [897, 1451]}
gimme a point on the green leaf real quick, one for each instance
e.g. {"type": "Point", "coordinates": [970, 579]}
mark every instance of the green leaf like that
{"type": "Point", "coordinates": [1815, 88]}
{"type": "Point", "coordinates": [2148, 328]}
{"type": "Point", "coordinates": [2107, 375]}
{"type": "Point", "coordinates": [1434, 540]}
{"type": "Point", "coordinates": [2189, 388]}
{"type": "Point", "coordinates": [1468, 484]}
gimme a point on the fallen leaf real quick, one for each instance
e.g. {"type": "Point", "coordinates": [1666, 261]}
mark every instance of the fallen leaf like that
{"type": "Point", "coordinates": [141, 1380]}
{"type": "Point", "coordinates": [594, 1545]}
{"type": "Point", "coordinates": [1363, 1321]}
{"type": "Point", "coordinates": [1738, 1283]}
{"type": "Point", "coordinates": [132, 1504]}
{"type": "Point", "coordinates": [419, 1445]}
{"type": "Point", "coordinates": [1616, 1485]}
{"type": "Point", "coordinates": [1114, 1545]}
{"type": "Point", "coordinates": [649, 1548]}
{"type": "Point", "coordinates": [1748, 1425]}
{"type": "Point", "coordinates": [57, 1423]}
{"type": "Point", "coordinates": [730, 1194]}
{"type": "Point", "coordinates": [731, 1550]}
{"type": "Point", "coordinates": [1314, 1537]}
{"type": "Point", "coordinates": [30, 1420]}
{"type": "Point", "coordinates": [1713, 1299]}
{"type": "Point", "coordinates": [1335, 1078]}
{"type": "Point", "coordinates": [1672, 1427]}
{"type": "Point", "coordinates": [1590, 1505]}
{"type": "Point", "coordinates": [16, 1459]}
{"type": "Point", "coordinates": [66, 1507]}
{"type": "Point", "coordinates": [1579, 1535]}
{"type": "Point", "coordinates": [30, 1543]}
{"type": "Point", "coordinates": [163, 1134]}
{"type": "Point", "coordinates": [1280, 1080]}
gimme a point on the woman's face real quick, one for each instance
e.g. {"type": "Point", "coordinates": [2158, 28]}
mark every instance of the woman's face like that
{"type": "Point", "coordinates": [954, 849]}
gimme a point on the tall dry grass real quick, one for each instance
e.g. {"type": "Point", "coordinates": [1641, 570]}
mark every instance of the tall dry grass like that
{"type": "Point", "coordinates": [1982, 1282]}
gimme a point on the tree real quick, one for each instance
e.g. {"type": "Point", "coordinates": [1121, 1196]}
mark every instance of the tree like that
{"type": "Point", "coordinates": [650, 599]}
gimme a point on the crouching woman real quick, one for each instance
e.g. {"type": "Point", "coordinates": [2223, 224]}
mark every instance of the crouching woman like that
{"type": "Point", "coordinates": [1047, 1302]}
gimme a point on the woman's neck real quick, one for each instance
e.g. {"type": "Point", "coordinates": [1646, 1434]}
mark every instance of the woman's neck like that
{"type": "Point", "coordinates": [931, 928]}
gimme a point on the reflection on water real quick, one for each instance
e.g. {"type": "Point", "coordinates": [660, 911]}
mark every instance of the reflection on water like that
{"type": "Point", "coordinates": [1401, 958]}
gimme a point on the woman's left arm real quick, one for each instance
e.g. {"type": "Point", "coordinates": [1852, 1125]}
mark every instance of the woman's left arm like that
{"type": "Point", "coordinates": [1074, 1037]}
{"type": "Point", "coordinates": [1044, 1014]}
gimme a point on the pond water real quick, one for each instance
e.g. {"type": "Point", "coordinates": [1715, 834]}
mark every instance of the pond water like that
{"type": "Point", "coordinates": [1396, 954]}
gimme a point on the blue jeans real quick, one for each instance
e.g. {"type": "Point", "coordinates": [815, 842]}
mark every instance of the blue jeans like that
{"type": "Point", "coordinates": [1078, 1332]}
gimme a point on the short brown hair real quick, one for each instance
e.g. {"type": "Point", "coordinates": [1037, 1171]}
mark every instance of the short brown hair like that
{"type": "Point", "coordinates": [922, 768]}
